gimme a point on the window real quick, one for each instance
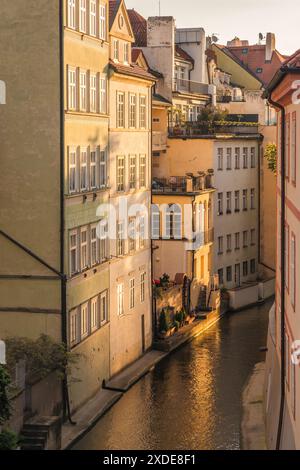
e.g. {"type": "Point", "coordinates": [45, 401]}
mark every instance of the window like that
{"type": "Point", "coordinates": [143, 179]}
{"type": "Point", "coordinates": [93, 93]}
{"type": "Point", "coordinates": [253, 157]}
{"type": "Point", "coordinates": [120, 109]}
{"type": "Point", "coordinates": [143, 112]}
{"type": "Point", "coordinates": [229, 159]}
{"type": "Point", "coordinates": [132, 110]}
{"type": "Point", "coordinates": [228, 202]}
{"type": "Point", "coordinates": [82, 15]}
{"type": "Point", "coordinates": [245, 157]}
{"type": "Point", "coordinates": [173, 222]}
{"type": "Point", "coordinates": [116, 49]}
{"type": "Point", "coordinates": [220, 159]}
{"type": "Point", "coordinates": [74, 327]}
{"type": "Point", "coordinates": [84, 248]}
{"type": "Point", "coordinates": [252, 198]}
{"type": "Point", "coordinates": [236, 201]}
{"type": "Point", "coordinates": [126, 52]}
{"type": "Point", "coordinates": [245, 268]}
{"type": "Point", "coordinates": [93, 23]}
{"type": "Point", "coordinates": [253, 266]}
{"type": "Point", "coordinates": [155, 222]}
{"type": "Point", "coordinates": [120, 239]}
{"type": "Point", "coordinates": [229, 244]}
{"type": "Point", "coordinates": [253, 235]}
{"type": "Point", "coordinates": [259, 70]}
{"type": "Point", "coordinates": [73, 252]}
{"type": "Point", "coordinates": [245, 199]}
{"type": "Point", "coordinates": [72, 88]}
{"type": "Point", "coordinates": [131, 293]}
{"type": "Point", "coordinates": [94, 246]}
{"type": "Point", "coordinates": [132, 234]}
{"type": "Point", "coordinates": [143, 287]}
{"type": "Point", "coordinates": [104, 308]}
{"type": "Point", "coordinates": [293, 271]}
{"type": "Point", "coordinates": [287, 145]}
{"type": "Point", "coordinates": [120, 299]}
{"type": "Point", "coordinates": [102, 21]}
{"type": "Point", "coordinates": [245, 238]}
{"type": "Point", "coordinates": [82, 91]}
{"type": "Point", "coordinates": [103, 169]}
{"type": "Point", "coordinates": [84, 320]}
{"type": "Point", "coordinates": [237, 240]}
{"type": "Point", "coordinates": [93, 169]}
{"type": "Point", "coordinates": [103, 248]}
{"type": "Point", "coordinates": [237, 157]}
{"type": "Point", "coordinates": [95, 313]}
{"type": "Point", "coordinates": [71, 14]}
{"type": "Point", "coordinates": [293, 148]}
{"type": "Point", "coordinates": [132, 171]}
{"type": "Point", "coordinates": [142, 231]}
{"type": "Point", "coordinates": [220, 203]}
{"type": "Point", "coordinates": [72, 172]}
{"type": "Point", "coordinates": [83, 170]}
{"type": "Point", "coordinates": [229, 274]}
{"type": "Point", "coordinates": [293, 389]}
{"type": "Point", "coordinates": [220, 245]}
{"type": "Point", "coordinates": [103, 94]}
{"type": "Point", "coordinates": [221, 276]}
{"type": "Point", "coordinates": [121, 173]}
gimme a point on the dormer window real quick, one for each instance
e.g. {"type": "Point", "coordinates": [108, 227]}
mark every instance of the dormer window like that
{"type": "Point", "coordinates": [259, 70]}
{"type": "Point", "coordinates": [245, 51]}
{"type": "Point", "coordinates": [126, 52]}
{"type": "Point", "coordinates": [116, 50]}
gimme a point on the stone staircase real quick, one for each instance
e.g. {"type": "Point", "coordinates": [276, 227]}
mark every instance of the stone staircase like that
{"type": "Point", "coordinates": [43, 433]}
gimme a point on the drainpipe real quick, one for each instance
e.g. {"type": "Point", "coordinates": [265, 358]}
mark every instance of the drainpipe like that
{"type": "Point", "coordinates": [153, 301]}
{"type": "Point", "coordinates": [64, 334]}
{"type": "Point", "coordinates": [283, 212]}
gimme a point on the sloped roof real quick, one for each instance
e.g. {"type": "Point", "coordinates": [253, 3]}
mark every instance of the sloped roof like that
{"type": "Point", "coordinates": [293, 60]}
{"type": "Point", "coordinates": [254, 59]}
{"type": "Point", "coordinates": [132, 70]}
{"type": "Point", "coordinates": [113, 10]}
{"type": "Point", "coordinates": [139, 26]}
{"type": "Point", "coordinates": [181, 54]}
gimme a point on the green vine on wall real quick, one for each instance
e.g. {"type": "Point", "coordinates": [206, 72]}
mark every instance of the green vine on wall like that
{"type": "Point", "coordinates": [271, 157]}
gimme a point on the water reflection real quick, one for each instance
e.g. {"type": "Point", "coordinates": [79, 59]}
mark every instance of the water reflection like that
{"type": "Point", "coordinates": [192, 400]}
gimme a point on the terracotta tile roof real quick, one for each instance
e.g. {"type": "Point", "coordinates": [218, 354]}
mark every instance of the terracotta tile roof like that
{"type": "Point", "coordinates": [181, 54]}
{"type": "Point", "coordinates": [139, 27]}
{"type": "Point", "coordinates": [135, 53]}
{"type": "Point", "coordinates": [293, 60]}
{"type": "Point", "coordinates": [132, 70]}
{"type": "Point", "coordinates": [253, 58]}
{"type": "Point", "coordinates": [113, 9]}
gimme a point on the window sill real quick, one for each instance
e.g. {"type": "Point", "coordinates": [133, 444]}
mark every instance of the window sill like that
{"type": "Point", "coordinates": [75, 112]}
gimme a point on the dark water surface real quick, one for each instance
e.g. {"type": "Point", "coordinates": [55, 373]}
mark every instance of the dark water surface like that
{"type": "Point", "coordinates": [192, 400]}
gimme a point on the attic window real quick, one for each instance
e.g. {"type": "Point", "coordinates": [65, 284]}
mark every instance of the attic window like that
{"type": "Point", "coordinates": [259, 70]}
{"type": "Point", "coordinates": [245, 50]}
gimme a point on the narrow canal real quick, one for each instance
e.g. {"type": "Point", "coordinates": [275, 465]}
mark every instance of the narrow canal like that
{"type": "Point", "coordinates": [193, 399]}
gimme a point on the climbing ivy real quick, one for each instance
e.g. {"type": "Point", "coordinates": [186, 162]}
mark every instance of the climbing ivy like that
{"type": "Point", "coordinates": [271, 157]}
{"type": "Point", "coordinates": [5, 410]}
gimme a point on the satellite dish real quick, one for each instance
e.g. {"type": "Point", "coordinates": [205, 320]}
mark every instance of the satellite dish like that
{"type": "Point", "coordinates": [215, 38]}
{"type": "Point", "coordinates": [261, 36]}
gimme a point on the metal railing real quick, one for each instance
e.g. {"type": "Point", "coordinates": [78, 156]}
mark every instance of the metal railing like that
{"type": "Point", "coordinates": [188, 86]}
{"type": "Point", "coordinates": [175, 184]}
{"type": "Point", "coordinates": [192, 129]}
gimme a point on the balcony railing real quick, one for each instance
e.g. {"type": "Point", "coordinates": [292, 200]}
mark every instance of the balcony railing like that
{"type": "Point", "coordinates": [159, 140]}
{"type": "Point", "coordinates": [188, 86]}
{"type": "Point", "coordinates": [182, 184]}
{"type": "Point", "coordinates": [193, 129]}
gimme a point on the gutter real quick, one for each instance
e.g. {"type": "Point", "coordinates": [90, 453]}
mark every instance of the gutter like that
{"type": "Point", "coordinates": [283, 261]}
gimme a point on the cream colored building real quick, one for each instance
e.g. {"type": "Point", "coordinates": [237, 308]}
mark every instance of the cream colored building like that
{"type": "Point", "coordinates": [130, 88]}
{"type": "Point", "coordinates": [54, 134]}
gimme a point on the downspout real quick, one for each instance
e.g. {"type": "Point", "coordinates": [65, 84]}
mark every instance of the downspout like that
{"type": "Point", "coordinates": [153, 301]}
{"type": "Point", "coordinates": [64, 334]}
{"type": "Point", "coordinates": [283, 346]}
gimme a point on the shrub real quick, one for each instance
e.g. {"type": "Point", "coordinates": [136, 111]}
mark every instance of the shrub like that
{"type": "Point", "coordinates": [165, 320]}
{"type": "Point", "coordinates": [165, 280]}
{"type": "Point", "coordinates": [176, 325]}
{"type": "Point", "coordinates": [8, 440]}
{"type": "Point", "coordinates": [5, 410]}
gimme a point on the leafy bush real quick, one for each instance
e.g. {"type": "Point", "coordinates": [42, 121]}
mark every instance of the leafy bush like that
{"type": "Point", "coordinates": [8, 440]}
{"type": "Point", "coordinates": [271, 157]}
{"type": "Point", "coordinates": [177, 325]}
{"type": "Point", "coordinates": [165, 280]}
{"type": "Point", "coordinates": [165, 321]}
{"type": "Point", "coordinates": [5, 410]}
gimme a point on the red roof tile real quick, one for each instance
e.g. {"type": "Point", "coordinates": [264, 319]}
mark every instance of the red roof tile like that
{"type": "Point", "coordinates": [253, 58]}
{"type": "Point", "coordinates": [183, 55]}
{"type": "Point", "coordinates": [293, 60]}
{"type": "Point", "coordinates": [132, 70]}
{"type": "Point", "coordinates": [139, 26]}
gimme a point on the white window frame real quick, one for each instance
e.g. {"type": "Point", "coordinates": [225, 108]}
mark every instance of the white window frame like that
{"type": "Point", "coordinates": [103, 94]}
{"type": "Point", "coordinates": [143, 287]}
{"type": "Point", "coordinates": [155, 222]}
{"type": "Point", "coordinates": [126, 52]}
{"type": "Point", "coordinates": [120, 110]}
{"type": "Point", "coordinates": [93, 18]}
{"type": "Point", "coordinates": [253, 157]}
{"type": "Point", "coordinates": [84, 245]}
{"type": "Point", "coordinates": [220, 246]}
{"type": "Point", "coordinates": [220, 159]}
{"type": "Point", "coordinates": [131, 294]}
{"type": "Point", "coordinates": [95, 323]}
{"type": "Point", "coordinates": [83, 16]}
{"type": "Point", "coordinates": [132, 111]}
{"type": "Point", "coordinates": [73, 170]}
{"type": "Point", "coordinates": [121, 173]}
{"type": "Point", "coordinates": [103, 169]}
{"type": "Point", "coordinates": [94, 256]}
{"type": "Point", "coordinates": [83, 90]}
{"type": "Point", "coordinates": [102, 21]}
{"type": "Point", "coordinates": [72, 14]}
{"type": "Point", "coordinates": [132, 234]}
{"type": "Point", "coordinates": [229, 158]}
{"type": "Point", "coordinates": [132, 171]}
{"type": "Point", "coordinates": [74, 321]}
{"type": "Point", "coordinates": [245, 158]}
{"type": "Point", "coordinates": [84, 321]}
{"type": "Point", "coordinates": [143, 111]}
{"type": "Point", "coordinates": [73, 248]}
{"type": "Point", "coordinates": [142, 231]}
{"type": "Point", "coordinates": [104, 302]}
{"type": "Point", "coordinates": [120, 239]}
{"type": "Point", "coordinates": [93, 92]}
{"type": "Point", "coordinates": [120, 299]}
{"type": "Point", "coordinates": [84, 167]}
{"type": "Point", "coordinates": [116, 51]}
{"type": "Point", "coordinates": [93, 168]}
{"type": "Point", "coordinates": [237, 158]}
{"type": "Point", "coordinates": [72, 88]}
{"type": "Point", "coordinates": [143, 171]}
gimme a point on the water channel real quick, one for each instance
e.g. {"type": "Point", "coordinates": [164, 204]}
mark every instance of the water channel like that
{"type": "Point", "coordinates": [193, 398]}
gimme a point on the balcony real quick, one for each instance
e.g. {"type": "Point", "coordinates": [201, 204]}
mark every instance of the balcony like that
{"type": "Point", "coordinates": [183, 184]}
{"type": "Point", "coordinates": [187, 86]}
{"type": "Point", "coordinates": [198, 129]}
{"type": "Point", "coordinates": [159, 141]}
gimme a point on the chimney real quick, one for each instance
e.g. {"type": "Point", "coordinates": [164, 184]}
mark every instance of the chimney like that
{"type": "Point", "coordinates": [270, 46]}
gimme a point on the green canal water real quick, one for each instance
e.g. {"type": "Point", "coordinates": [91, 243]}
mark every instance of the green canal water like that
{"type": "Point", "coordinates": [193, 398]}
